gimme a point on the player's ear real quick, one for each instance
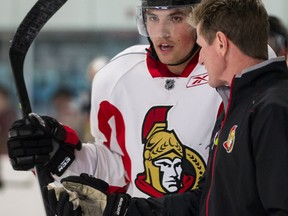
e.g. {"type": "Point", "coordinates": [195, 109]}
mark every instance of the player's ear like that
{"type": "Point", "coordinates": [221, 41]}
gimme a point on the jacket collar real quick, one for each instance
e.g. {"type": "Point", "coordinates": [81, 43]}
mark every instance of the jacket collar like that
{"type": "Point", "coordinates": [259, 75]}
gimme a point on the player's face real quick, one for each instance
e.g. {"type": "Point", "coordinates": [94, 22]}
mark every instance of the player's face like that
{"type": "Point", "coordinates": [213, 61]}
{"type": "Point", "coordinates": [171, 34]}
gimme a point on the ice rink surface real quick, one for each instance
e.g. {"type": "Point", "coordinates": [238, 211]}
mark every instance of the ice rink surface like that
{"type": "Point", "coordinates": [20, 193]}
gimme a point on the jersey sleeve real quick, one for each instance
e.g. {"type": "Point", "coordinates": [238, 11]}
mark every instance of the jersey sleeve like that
{"type": "Point", "coordinates": [103, 157]}
{"type": "Point", "coordinates": [107, 119]}
{"type": "Point", "coordinates": [97, 160]}
{"type": "Point", "coordinates": [108, 128]}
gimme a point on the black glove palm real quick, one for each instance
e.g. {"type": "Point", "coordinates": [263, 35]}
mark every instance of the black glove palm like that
{"type": "Point", "coordinates": [42, 141]}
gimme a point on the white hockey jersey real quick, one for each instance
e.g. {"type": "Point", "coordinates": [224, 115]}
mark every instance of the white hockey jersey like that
{"type": "Point", "coordinates": [151, 130]}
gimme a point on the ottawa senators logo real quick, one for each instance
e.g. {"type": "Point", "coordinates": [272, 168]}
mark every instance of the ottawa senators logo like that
{"type": "Point", "coordinates": [229, 144]}
{"type": "Point", "coordinates": [170, 167]}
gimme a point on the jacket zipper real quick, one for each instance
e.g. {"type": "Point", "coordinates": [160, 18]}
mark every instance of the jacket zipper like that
{"type": "Point", "coordinates": [215, 145]}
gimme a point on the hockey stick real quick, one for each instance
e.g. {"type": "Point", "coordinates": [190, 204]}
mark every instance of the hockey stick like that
{"type": "Point", "coordinates": [27, 31]}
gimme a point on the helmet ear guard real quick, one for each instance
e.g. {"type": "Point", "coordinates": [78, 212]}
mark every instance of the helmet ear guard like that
{"type": "Point", "coordinates": [140, 20]}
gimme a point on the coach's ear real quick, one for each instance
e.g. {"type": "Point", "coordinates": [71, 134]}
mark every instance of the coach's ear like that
{"type": "Point", "coordinates": [222, 42]}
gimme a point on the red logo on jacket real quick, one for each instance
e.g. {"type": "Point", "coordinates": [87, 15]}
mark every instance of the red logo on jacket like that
{"type": "Point", "coordinates": [229, 144]}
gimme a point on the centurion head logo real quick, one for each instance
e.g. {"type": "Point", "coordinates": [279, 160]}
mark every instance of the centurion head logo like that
{"type": "Point", "coordinates": [170, 167]}
{"type": "Point", "coordinates": [229, 144]}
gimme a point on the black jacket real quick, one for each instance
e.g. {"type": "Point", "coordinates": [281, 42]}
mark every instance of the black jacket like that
{"type": "Point", "coordinates": [247, 171]}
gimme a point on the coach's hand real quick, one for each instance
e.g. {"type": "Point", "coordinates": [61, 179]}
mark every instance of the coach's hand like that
{"type": "Point", "coordinates": [87, 196]}
{"type": "Point", "coordinates": [42, 141]}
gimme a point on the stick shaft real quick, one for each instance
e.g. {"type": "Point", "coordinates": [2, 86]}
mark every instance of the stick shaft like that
{"type": "Point", "coordinates": [27, 31]}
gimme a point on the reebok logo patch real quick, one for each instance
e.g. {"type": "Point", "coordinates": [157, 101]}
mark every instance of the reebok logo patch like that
{"type": "Point", "coordinates": [197, 80]}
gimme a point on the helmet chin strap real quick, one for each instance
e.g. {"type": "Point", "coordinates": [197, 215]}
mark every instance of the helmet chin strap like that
{"type": "Point", "coordinates": [152, 52]}
{"type": "Point", "coordinates": [188, 57]}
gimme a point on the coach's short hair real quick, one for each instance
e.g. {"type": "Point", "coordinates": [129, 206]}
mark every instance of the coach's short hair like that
{"type": "Point", "coordinates": [245, 23]}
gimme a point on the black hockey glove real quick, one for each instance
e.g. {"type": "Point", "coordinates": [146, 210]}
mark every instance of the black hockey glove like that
{"type": "Point", "coordinates": [42, 141]}
{"type": "Point", "coordinates": [87, 196]}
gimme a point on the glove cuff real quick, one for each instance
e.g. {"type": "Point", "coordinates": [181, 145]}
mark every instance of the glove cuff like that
{"type": "Point", "coordinates": [72, 137]}
{"type": "Point", "coordinates": [63, 133]}
{"type": "Point", "coordinates": [61, 160]}
{"type": "Point", "coordinates": [117, 204]}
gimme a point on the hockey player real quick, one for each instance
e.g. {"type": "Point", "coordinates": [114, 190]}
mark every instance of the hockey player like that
{"type": "Point", "coordinates": [247, 170]}
{"type": "Point", "coordinates": [152, 114]}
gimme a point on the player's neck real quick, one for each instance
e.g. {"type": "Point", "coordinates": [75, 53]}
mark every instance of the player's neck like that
{"type": "Point", "coordinates": [178, 70]}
